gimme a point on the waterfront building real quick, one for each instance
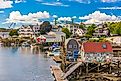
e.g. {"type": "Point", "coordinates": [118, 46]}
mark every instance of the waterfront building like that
{"type": "Point", "coordinates": [4, 34]}
{"type": "Point", "coordinates": [53, 37]}
{"type": "Point", "coordinates": [29, 30]}
{"type": "Point", "coordinates": [96, 51]}
{"type": "Point", "coordinates": [72, 48]}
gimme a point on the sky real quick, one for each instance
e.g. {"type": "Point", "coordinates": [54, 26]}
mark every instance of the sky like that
{"type": "Point", "coordinates": [34, 11]}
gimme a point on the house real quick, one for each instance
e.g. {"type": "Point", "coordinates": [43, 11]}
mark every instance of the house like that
{"type": "Point", "coordinates": [101, 30]}
{"type": "Point", "coordinates": [4, 34]}
{"type": "Point", "coordinates": [56, 28]}
{"type": "Point", "coordinates": [53, 37]}
{"type": "Point", "coordinates": [29, 30]}
{"type": "Point", "coordinates": [116, 45]}
{"type": "Point", "coordinates": [96, 51]}
{"type": "Point", "coordinates": [72, 48]}
{"type": "Point", "coordinates": [71, 27]}
{"type": "Point", "coordinates": [79, 32]}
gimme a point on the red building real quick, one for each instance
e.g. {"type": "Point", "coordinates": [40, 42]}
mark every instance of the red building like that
{"type": "Point", "coordinates": [96, 51]}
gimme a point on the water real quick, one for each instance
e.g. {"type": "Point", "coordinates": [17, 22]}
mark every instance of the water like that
{"type": "Point", "coordinates": [24, 64]}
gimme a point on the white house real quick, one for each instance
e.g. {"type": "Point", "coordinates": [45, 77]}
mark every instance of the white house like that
{"type": "Point", "coordinates": [79, 32]}
{"type": "Point", "coordinates": [29, 31]}
{"type": "Point", "coordinates": [4, 34]}
{"type": "Point", "coordinates": [115, 40]}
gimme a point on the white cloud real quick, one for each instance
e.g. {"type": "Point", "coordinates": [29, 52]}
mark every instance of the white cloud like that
{"type": "Point", "coordinates": [82, 1]}
{"type": "Point", "coordinates": [55, 4]}
{"type": "Point", "coordinates": [5, 4]}
{"type": "Point", "coordinates": [110, 0]}
{"type": "Point", "coordinates": [19, 1]}
{"type": "Point", "coordinates": [74, 17]}
{"type": "Point", "coordinates": [89, 1]}
{"type": "Point", "coordinates": [97, 16]}
{"type": "Point", "coordinates": [17, 17]}
{"type": "Point", "coordinates": [1, 12]}
{"type": "Point", "coordinates": [64, 19]}
{"type": "Point", "coordinates": [111, 8]}
{"type": "Point", "coordinates": [55, 16]}
{"type": "Point", "coordinates": [39, 0]}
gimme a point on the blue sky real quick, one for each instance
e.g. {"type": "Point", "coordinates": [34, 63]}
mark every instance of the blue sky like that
{"type": "Point", "coordinates": [63, 9]}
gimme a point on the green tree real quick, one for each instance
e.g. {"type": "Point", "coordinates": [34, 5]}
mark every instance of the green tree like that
{"type": "Point", "coordinates": [66, 31]}
{"type": "Point", "coordinates": [90, 30]}
{"type": "Point", "coordinates": [82, 26]}
{"type": "Point", "coordinates": [42, 32]}
{"type": "Point", "coordinates": [13, 32]}
{"type": "Point", "coordinates": [115, 28]}
{"type": "Point", "coordinates": [118, 28]}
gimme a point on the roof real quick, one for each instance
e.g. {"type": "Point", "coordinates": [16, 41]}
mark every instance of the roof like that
{"type": "Point", "coordinates": [56, 38]}
{"type": "Point", "coordinates": [67, 40]}
{"type": "Point", "coordinates": [97, 47]}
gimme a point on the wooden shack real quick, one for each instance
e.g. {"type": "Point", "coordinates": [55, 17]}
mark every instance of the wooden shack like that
{"type": "Point", "coordinates": [71, 46]}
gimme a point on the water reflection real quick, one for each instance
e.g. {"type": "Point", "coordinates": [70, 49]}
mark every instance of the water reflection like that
{"type": "Point", "coordinates": [24, 64]}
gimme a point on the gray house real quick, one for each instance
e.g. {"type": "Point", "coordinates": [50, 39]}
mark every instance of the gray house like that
{"type": "Point", "coordinates": [71, 45]}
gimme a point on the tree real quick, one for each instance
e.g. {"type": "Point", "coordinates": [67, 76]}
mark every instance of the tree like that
{"type": "Point", "coordinates": [13, 32]}
{"type": "Point", "coordinates": [90, 30]}
{"type": "Point", "coordinates": [115, 28]}
{"type": "Point", "coordinates": [46, 26]}
{"type": "Point", "coordinates": [42, 32]}
{"type": "Point", "coordinates": [66, 31]}
{"type": "Point", "coordinates": [82, 26]}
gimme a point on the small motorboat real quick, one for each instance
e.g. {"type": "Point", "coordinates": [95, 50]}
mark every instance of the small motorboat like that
{"type": "Point", "coordinates": [54, 52]}
{"type": "Point", "coordinates": [25, 44]}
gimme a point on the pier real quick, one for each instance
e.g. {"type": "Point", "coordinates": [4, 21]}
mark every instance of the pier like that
{"type": "Point", "coordinates": [57, 73]}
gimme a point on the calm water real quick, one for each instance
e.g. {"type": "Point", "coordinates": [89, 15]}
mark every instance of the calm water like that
{"type": "Point", "coordinates": [24, 64]}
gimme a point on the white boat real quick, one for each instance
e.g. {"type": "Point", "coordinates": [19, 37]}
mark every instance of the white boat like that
{"type": "Point", "coordinates": [25, 44]}
{"type": "Point", "coordinates": [55, 52]}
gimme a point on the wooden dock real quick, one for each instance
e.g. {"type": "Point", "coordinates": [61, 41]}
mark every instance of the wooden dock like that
{"type": "Point", "coordinates": [57, 59]}
{"type": "Point", "coordinates": [57, 73]}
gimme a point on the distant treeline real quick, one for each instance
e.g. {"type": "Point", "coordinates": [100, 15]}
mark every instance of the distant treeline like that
{"type": "Point", "coordinates": [4, 30]}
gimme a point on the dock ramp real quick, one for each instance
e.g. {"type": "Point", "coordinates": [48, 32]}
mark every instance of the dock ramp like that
{"type": "Point", "coordinates": [72, 69]}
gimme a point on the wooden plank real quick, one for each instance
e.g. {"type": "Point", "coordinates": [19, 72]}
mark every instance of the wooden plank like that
{"type": "Point", "coordinates": [72, 69]}
{"type": "Point", "coordinates": [57, 59]}
{"type": "Point", "coordinates": [57, 72]}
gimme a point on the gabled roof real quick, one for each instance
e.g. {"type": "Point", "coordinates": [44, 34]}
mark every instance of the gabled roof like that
{"type": "Point", "coordinates": [97, 47]}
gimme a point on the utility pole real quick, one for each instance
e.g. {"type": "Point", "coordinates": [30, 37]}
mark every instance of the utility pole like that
{"type": "Point", "coordinates": [63, 56]}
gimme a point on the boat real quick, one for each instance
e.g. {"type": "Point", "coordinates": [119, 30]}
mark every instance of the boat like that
{"type": "Point", "coordinates": [25, 44]}
{"type": "Point", "coordinates": [54, 52]}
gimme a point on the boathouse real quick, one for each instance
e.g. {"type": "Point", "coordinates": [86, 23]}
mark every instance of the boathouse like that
{"type": "Point", "coordinates": [96, 51]}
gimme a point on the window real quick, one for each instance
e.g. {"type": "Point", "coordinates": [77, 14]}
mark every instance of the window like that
{"type": "Point", "coordinates": [104, 46]}
{"type": "Point", "coordinates": [70, 46]}
{"type": "Point", "coordinates": [75, 46]}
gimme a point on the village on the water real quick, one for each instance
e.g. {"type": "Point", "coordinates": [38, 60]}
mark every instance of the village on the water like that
{"type": "Point", "coordinates": [84, 52]}
{"type": "Point", "coordinates": [60, 40]}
